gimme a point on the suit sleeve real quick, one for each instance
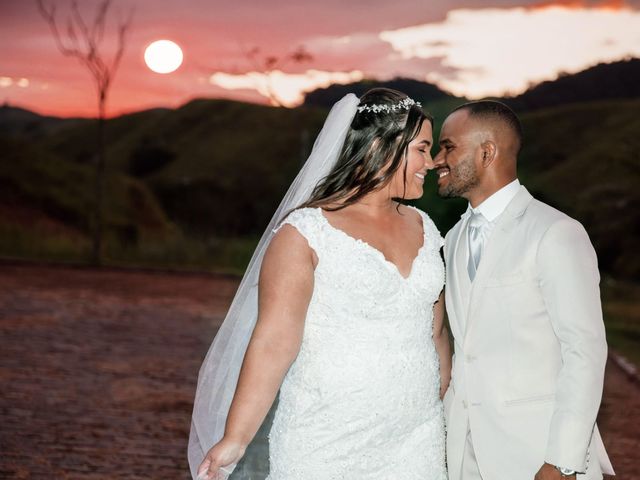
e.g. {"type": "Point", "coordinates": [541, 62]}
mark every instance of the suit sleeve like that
{"type": "Point", "coordinates": [569, 280]}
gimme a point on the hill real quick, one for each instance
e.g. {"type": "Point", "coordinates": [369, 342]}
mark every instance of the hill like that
{"type": "Point", "coordinates": [208, 176]}
{"type": "Point", "coordinates": [46, 205]}
{"type": "Point", "coordinates": [584, 160]}
{"type": "Point", "coordinates": [606, 81]}
{"type": "Point", "coordinates": [419, 91]}
{"type": "Point", "coordinates": [205, 154]}
{"type": "Point", "coordinates": [18, 121]}
{"type": "Point", "coordinates": [202, 155]}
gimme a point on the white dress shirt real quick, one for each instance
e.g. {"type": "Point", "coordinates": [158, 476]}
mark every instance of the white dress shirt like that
{"type": "Point", "coordinates": [495, 204]}
{"type": "Point", "coordinates": [482, 222]}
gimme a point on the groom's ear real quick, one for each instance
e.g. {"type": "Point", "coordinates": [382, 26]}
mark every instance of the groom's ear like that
{"type": "Point", "coordinates": [488, 152]}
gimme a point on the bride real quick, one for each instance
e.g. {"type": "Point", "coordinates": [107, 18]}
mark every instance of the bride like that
{"type": "Point", "coordinates": [341, 310]}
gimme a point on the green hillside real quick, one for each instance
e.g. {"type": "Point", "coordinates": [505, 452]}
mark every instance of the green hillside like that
{"type": "Point", "coordinates": [199, 183]}
{"type": "Point", "coordinates": [209, 153]}
{"type": "Point", "coordinates": [205, 155]}
{"type": "Point", "coordinates": [605, 81]}
{"type": "Point", "coordinates": [585, 160]}
{"type": "Point", "coordinates": [46, 205]}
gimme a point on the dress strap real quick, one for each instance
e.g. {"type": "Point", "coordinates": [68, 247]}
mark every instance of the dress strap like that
{"type": "Point", "coordinates": [308, 223]}
{"type": "Point", "coordinates": [432, 235]}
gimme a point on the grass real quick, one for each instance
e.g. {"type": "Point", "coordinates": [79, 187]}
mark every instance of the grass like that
{"type": "Point", "coordinates": [229, 255]}
{"type": "Point", "coordinates": [621, 308]}
{"type": "Point", "coordinates": [584, 160]}
{"type": "Point", "coordinates": [36, 244]}
{"type": "Point", "coordinates": [45, 241]}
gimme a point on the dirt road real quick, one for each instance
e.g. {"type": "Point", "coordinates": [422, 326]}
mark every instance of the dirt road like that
{"type": "Point", "coordinates": [98, 372]}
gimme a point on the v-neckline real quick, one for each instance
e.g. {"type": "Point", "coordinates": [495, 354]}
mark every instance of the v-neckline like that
{"type": "Point", "coordinates": [378, 252]}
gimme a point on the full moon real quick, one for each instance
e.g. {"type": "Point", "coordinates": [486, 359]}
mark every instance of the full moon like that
{"type": "Point", "coordinates": [163, 56]}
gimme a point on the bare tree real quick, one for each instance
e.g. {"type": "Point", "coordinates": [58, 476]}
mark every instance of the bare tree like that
{"type": "Point", "coordinates": [83, 40]}
{"type": "Point", "coordinates": [268, 63]}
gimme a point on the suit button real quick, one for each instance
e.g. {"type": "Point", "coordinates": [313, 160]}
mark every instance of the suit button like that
{"type": "Point", "coordinates": [470, 358]}
{"type": "Point", "coordinates": [464, 404]}
{"type": "Point", "coordinates": [476, 404]}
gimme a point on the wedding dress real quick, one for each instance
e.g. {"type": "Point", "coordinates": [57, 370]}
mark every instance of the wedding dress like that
{"type": "Point", "coordinates": [361, 401]}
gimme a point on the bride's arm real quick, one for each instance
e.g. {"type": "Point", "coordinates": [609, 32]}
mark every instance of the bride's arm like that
{"type": "Point", "coordinates": [441, 340]}
{"type": "Point", "coordinates": [285, 288]}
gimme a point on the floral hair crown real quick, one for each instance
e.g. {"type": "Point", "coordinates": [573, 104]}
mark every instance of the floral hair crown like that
{"type": "Point", "coordinates": [404, 104]}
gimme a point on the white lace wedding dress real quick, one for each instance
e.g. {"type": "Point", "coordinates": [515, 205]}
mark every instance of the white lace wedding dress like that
{"type": "Point", "coordinates": [361, 401]}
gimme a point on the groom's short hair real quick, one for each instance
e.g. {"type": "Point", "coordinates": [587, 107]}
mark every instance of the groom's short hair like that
{"type": "Point", "coordinates": [493, 110]}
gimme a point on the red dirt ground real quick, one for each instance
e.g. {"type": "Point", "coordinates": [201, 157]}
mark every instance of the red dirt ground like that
{"type": "Point", "coordinates": [98, 370]}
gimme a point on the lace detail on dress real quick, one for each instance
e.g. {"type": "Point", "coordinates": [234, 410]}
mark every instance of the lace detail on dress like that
{"type": "Point", "coordinates": [305, 222]}
{"type": "Point", "coordinates": [361, 401]}
{"type": "Point", "coordinates": [430, 230]}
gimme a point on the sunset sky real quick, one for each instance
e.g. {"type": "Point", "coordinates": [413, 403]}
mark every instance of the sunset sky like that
{"type": "Point", "coordinates": [471, 48]}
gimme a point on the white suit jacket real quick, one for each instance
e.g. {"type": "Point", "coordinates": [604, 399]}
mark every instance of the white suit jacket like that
{"type": "Point", "coordinates": [530, 347]}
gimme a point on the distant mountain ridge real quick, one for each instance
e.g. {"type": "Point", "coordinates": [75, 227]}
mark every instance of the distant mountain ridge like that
{"type": "Point", "coordinates": [615, 80]}
{"type": "Point", "coordinates": [606, 81]}
{"type": "Point", "coordinates": [16, 120]}
{"type": "Point", "coordinates": [420, 91]}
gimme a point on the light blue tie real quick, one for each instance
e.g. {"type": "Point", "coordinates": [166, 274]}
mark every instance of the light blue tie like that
{"type": "Point", "coordinates": [477, 230]}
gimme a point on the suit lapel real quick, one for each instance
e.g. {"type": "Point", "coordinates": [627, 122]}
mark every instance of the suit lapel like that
{"type": "Point", "coordinates": [496, 243]}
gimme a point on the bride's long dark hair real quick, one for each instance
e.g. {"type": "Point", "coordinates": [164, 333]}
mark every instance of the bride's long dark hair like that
{"type": "Point", "coordinates": [374, 149]}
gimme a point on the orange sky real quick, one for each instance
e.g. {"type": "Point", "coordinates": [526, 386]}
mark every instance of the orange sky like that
{"type": "Point", "coordinates": [474, 48]}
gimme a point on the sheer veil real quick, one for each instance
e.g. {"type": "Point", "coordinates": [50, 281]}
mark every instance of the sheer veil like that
{"type": "Point", "coordinates": [219, 372]}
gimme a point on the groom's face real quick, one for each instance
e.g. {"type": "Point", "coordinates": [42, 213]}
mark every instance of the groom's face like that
{"type": "Point", "coordinates": [456, 159]}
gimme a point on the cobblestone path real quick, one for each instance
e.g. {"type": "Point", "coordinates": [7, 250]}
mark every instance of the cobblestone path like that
{"type": "Point", "coordinates": [98, 372]}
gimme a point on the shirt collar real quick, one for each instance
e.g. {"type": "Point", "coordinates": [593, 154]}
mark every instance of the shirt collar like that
{"type": "Point", "coordinates": [495, 204]}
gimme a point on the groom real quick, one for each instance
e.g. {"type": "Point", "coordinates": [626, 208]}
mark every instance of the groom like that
{"type": "Point", "coordinates": [523, 303]}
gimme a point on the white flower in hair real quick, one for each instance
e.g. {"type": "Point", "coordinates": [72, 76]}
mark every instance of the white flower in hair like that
{"type": "Point", "coordinates": [404, 104]}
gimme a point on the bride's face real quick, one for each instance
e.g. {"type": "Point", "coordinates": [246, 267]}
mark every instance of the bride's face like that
{"type": "Point", "coordinates": [418, 162]}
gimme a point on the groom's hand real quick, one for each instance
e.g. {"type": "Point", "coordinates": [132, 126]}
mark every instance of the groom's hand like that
{"type": "Point", "coordinates": [549, 472]}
